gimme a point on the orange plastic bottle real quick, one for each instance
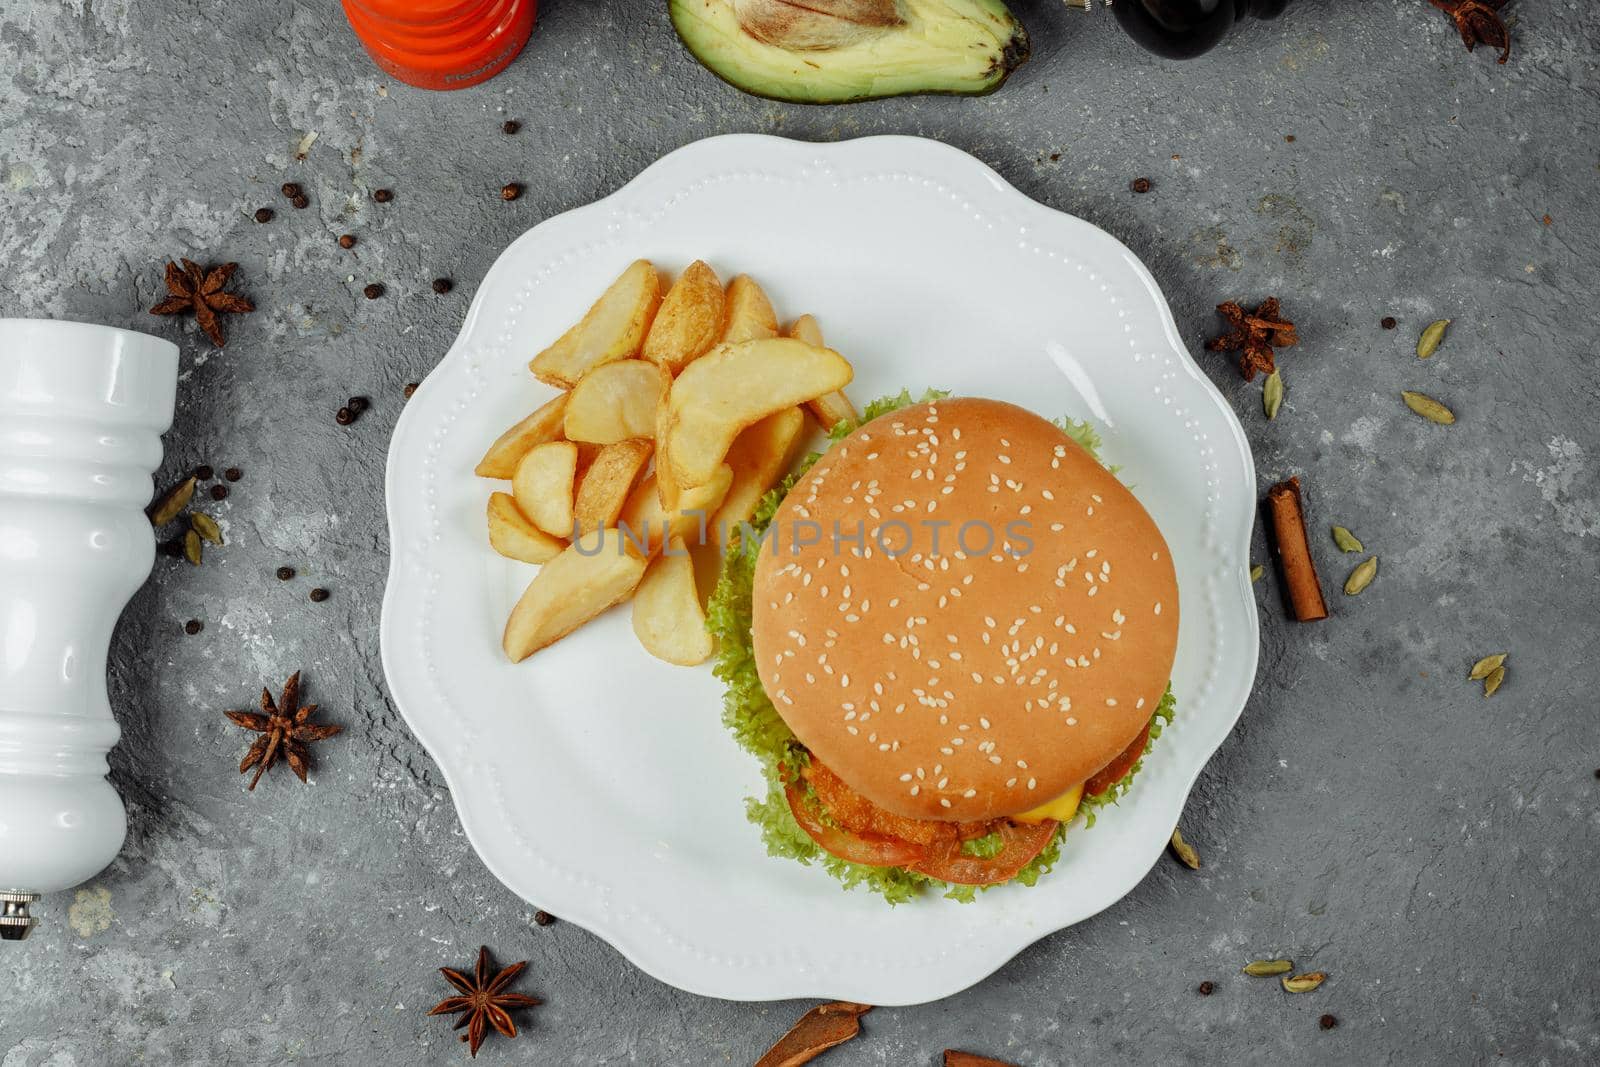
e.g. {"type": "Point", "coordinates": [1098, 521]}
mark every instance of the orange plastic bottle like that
{"type": "Point", "coordinates": [442, 44]}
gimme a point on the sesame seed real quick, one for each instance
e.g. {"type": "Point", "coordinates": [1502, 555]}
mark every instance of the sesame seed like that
{"type": "Point", "coordinates": [1032, 782]}
{"type": "Point", "coordinates": [944, 802]}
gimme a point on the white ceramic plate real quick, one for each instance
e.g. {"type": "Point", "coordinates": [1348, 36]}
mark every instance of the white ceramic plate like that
{"type": "Point", "coordinates": [598, 782]}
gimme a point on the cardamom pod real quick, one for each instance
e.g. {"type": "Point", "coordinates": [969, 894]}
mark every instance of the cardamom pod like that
{"type": "Point", "coordinates": [1184, 851]}
{"type": "Point", "coordinates": [171, 505]}
{"type": "Point", "coordinates": [1256, 572]}
{"type": "Point", "coordinates": [206, 526]}
{"type": "Point", "coordinates": [1303, 983]}
{"type": "Point", "coordinates": [1428, 408]}
{"type": "Point", "coordinates": [191, 547]}
{"type": "Point", "coordinates": [1272, 394]}
{"type": "Point", "coordinates": [1347, 541]}
{"type": "Point", "coordinates": [1268, 968]}
{"type": "Point", "coordinates": [1428, 343]}
{"type": "Point", "coordinates": [1491, 683]}
{"type": "Point", "coordinates": [1485, 667]}
{"type": "Point", "coordinates": [1361, 577]}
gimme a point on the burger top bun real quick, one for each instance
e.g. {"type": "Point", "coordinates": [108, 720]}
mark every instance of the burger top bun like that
{"type": "Point", "coordinates": [962, 613]}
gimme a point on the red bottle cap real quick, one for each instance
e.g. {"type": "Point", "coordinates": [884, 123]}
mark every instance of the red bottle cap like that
{"type": "Point", "coordinates": [442, 44]}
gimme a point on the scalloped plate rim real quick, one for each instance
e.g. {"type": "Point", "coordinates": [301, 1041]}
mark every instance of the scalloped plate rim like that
{"type": "Point", "coordinates": [638, 945]}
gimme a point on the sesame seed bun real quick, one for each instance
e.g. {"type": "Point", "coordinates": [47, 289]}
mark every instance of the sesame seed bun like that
{"type": "Point", "coordinates": [959, 680]}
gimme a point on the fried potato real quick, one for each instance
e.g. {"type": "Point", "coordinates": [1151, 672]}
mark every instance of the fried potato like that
{"type": "Point", "coordinates": [758, 458]}
{"type": "Point", "coordinates": [667, 617]}
{"type": "Point", "coordinates": [503, 456]}
{"type": "Point", "coordinates": [689, 321]}
{"type": "Point", "coordinates": [543, 483]}
{"type": "Point", "coordinates": [643, 518]}
{"type": "Point", "coordinates": [605, 486]}
{"type": "Point", "coordinates": [735, 386]}
{"type": "Point", "coordinates": [750, 314]}
{"type": "Point", "coordinates": [615, 402]}
{"type": "Point", "coordinates": [513, 536]}
{"type": "Point", "coordinates": [614, 328]}
{"type": "Point", "coordinates": [830, 409]}
{"type": "Point", "coordinates": [584, 580]}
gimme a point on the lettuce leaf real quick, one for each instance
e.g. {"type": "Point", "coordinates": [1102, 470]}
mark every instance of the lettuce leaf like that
{"type": "Point", "coordinates": [758, 728]}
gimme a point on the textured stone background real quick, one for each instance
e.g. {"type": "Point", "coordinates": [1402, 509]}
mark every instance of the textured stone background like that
{"type": "Point", "coordinates": [1372, 815]}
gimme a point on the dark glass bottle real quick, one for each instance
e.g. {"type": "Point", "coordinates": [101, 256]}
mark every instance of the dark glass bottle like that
{"type": "Point", "coordinates": [1182, 29]}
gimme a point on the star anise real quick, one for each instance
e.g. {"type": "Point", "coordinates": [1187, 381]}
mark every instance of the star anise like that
{"type": "Point", "coordinates": [1255, 335]}
{"type": "Point", "coordinates": [483, 1001]}
{"type": "Point", "coordinates": [1479, 22]}
{"type": "Point", "coordinates": [284, 731]}
{"type": "Point", "coordinates": [192, 288]}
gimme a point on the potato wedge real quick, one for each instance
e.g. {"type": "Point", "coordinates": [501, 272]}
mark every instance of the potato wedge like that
{"type": "Point", "coordinates": [758, 458]}
{"type": "Point", "coordinates": [643, 518]}
{"type": "Point", "coordinates": [513, 536]}
{"type": "Point", "coordinates": [615, 402]}
{"type": "Point", "coordinates": [830, 409]}
{"type": "Point", "coordinates": [689, 321]}
{"type": "Point", "coordinates": [584, 580]}
{"type": "Point", "coordinates": [735, 386]}
{"type": "Point", "coordinates": [604, 487]}
{"type": "Point", "coordinates": [543, 484]}
{"type": "Point", "coordinates": [614, 328]}
{"type": "Point", "coordinates": [503, 456]}
{"type": "Point", "coordinates": [750, 314]}
{"type": "Point", "coordinates": [667, 617]}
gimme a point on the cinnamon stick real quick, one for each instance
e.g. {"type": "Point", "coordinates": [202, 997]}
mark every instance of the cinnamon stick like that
{"type": "Point", "coordinates": [818, 1030]}
{"type": "Point", "coordinates": [952, 1058]}
{"type": "Point", "coordinates": [1302, 591]}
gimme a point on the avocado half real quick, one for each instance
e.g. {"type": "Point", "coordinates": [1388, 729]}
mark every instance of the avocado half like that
{"type": "Point", "coordinates": [838, 51]}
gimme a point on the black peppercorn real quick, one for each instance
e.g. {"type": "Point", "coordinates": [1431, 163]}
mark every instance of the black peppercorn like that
{"type": "Point", "coordinates": [203, 472]}
{"type": "Point", "coordinates": [1140, 185]}
{"type": "Point", "coordinates": [1388, 322]}
{"type": "Point", "coordinates": [357, 404]}
{"type": "Point", "coordinates": [291, 190]}
{"type": "Point", "coordinates": [347, 240]}
{"type": "Point", "coordinates": [373, 291]}
{"type": "Point", "coordinates": [173, 548]}
{"type": "Point", "coordinates": [263, 214]}
{"type": "Point", "coordinates": [344, 416]}
{"type": "Point", "coordinates": [543, 918]}
{"type": "Point", "coordinates": [1328, 1022]}
{"type": "Point", "coordinates": [510, 127]}
{"type": "Point", "coordinates": [1205, 989]}
{"type": "Point", "coordinates": [411, 387]}
{"type": "Point", "coordinates": [510, 191]}
{"type": "Point", "coordinates": [1289, 137]}
{"type": "Point", "coordinates": [285, 573]}
{"type": "Point", "coordinates": [193, 626]}
{"type": "Point", "coordinates": [318, 595]}
{"type": "Point", "coordinates": [383, 196]}
{"type": "Point", "coordinates": [233, 474]}
{"type": "Point", "coordinates": [443, 285]}
{"type": "Point", "coordinates": [219, 492]}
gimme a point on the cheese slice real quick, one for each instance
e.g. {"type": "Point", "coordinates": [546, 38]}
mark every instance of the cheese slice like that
{"type": "Point", "coordinates": [1061, 809]}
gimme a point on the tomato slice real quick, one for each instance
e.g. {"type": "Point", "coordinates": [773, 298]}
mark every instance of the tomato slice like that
{"type": "Point", "coordinates": [1112, 773]}
{"type": "Point", "coordinates": [1022, 842]}
{"type": "Point", "coordinates": [873, 850]}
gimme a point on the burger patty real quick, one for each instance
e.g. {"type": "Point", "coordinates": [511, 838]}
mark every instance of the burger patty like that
{"type": "Point", "coordinates": [855, 812]}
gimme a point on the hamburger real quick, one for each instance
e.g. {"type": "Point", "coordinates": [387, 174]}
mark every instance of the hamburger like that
{"type": "Point", "coordinates": [944, 637]}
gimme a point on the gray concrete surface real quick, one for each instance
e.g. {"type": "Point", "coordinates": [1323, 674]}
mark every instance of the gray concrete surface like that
{"type": "Point", "coordinates": [1372, 816]}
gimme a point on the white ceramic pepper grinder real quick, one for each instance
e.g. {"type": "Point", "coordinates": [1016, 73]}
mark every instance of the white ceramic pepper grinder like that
{"type": "Point", "coordinates": [82, 410]}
